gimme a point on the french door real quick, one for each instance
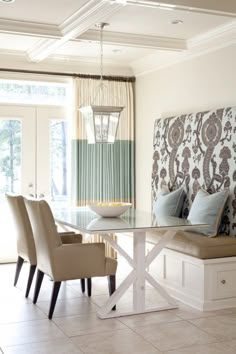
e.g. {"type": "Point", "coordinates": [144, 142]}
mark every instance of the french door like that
{"type": "Point", "coordinates": [33, 161]}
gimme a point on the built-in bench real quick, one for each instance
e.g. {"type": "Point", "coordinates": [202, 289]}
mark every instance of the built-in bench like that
{"type": "Point", "coordinates": [199, 246]}
{"type": "Point", "coordinates": [198, 150]}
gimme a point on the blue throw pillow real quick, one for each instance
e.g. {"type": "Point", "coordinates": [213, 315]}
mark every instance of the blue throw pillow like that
{"type": "Point", "coordinates": [169, 203]}
{"type": "Point", "coordinates": [208, 209]}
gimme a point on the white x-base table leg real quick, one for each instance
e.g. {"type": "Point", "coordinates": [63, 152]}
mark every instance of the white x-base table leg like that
{"type": "Point", "coordinates": [138, 276]}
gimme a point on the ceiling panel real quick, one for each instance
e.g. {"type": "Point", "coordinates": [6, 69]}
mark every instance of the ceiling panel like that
{"type": "Point", "coordinates": [43, 11]}
{"type": "Point", "coordinates": [157, 22]}
{"type": "Point", "coordinates": [228, 6]}
{"type": "Point", "coordinates": [85, 50]}
{"type": "Point", "coordinates": [129, 19]}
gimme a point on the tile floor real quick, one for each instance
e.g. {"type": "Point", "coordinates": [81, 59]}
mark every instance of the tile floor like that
{"type": "Point", "coordinates": [75, 328]}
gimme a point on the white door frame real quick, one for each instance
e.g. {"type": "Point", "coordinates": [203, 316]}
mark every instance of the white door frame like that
{"type": "Point", "coordinates": [35, 158]}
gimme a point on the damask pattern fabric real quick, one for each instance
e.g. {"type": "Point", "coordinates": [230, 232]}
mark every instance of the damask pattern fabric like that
{"type": "Point", "coordinates": [194, 151]}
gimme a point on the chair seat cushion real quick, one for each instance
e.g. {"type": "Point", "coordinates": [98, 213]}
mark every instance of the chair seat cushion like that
{"type": "Point", "coordinates": [199, 246]}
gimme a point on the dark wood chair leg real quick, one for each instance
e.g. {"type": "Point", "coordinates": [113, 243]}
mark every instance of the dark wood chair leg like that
{"type": "Point", "coordinates": [112, 287]}
{"type": "Point", "coordinates": [38, 284]}
{"type": "Point", "coordinates": [89, 286]}
{"type": "Point", "coordinates": [82, 283]}
{"type": "Point", "coordinates": [30, 279]}
{"type": "Point", "coordinates": [19, 264]}
{"type": "Point", "coordinates": [55, 291]}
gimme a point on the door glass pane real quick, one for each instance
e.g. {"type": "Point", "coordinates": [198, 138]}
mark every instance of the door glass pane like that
{"type": "Point", "coordinates": [10, 157]}
{"type": "Point", "coordinates": [10, 176]}
{"type": "Point", "coordinates": [59, 161]}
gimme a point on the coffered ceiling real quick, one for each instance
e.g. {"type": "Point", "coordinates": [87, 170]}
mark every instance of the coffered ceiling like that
{"type": "Point", "coordinates": [142, 35]}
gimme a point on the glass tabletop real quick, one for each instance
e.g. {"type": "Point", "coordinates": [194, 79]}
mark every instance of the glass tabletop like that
{"type": "Point", "coordinates": [85, 220]}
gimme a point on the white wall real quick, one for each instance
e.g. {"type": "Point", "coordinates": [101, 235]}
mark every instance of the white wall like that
{"type": "Point", "coordinates": [204, 82]}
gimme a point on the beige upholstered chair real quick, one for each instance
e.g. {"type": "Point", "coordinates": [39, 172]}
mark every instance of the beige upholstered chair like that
{"type": "Point", "coordinates": [64, 262]}
{"type": "Point", "coordinates": [25, 241]}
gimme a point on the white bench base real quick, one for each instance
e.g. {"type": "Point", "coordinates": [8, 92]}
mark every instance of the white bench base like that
{"type": "Point", "coordinates": [203, 284]}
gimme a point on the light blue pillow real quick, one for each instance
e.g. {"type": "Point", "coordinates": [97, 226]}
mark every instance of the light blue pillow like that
{"type": "Point", "coordinates": [207, 209]}
{"type": "Point", "coordinates": [169, 203]}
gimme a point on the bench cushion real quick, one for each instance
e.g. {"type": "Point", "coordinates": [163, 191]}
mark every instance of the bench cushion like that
{"type": "Point", "coordinates": [197, 245]}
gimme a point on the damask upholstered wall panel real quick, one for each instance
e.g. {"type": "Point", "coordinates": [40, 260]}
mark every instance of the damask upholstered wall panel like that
{"type": "Point", "coordinates": [198, 150]}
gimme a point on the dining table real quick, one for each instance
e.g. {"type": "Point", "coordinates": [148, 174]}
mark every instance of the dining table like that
{"type": "Point", "coordinates": [137, 223]}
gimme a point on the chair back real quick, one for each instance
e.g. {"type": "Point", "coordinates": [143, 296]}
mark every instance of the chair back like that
{"type": "Point", "coordinates": [25, 240]}
{"type": "Point", "coordinates": [45, 233]}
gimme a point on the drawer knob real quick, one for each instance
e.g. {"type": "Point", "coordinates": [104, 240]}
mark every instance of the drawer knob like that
{"type": "Point", "coordinates": [223, 281]}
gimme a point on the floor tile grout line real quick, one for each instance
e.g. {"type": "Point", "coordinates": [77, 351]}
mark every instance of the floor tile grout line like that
{"type": "Point", "coordinates": [167, 351]}
{"type": "Point", "coordinates": [94, 333]}
{"type": "Point", "coordinates": [145, 340]}
{"type": "Point", "coordinates": [204, 331]}
{"type": "Point", "coordinates": [203, 317]}
{"type": "Point", "coordinates": [117, 330]}
{"type": "Point", "coordinates": [34, 342]}
{"type": "Point", "coordinates": [42, 341]}
{"type": "Point", "coordinates": [193, 346]}
{"type": "Point", "coordinates": [52, 320]}
{"type": "Point", "coordinates": [24, 321]}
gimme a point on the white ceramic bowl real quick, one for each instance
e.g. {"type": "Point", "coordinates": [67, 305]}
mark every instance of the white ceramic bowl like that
{"type": "Point", "coordinates": [110, 211]}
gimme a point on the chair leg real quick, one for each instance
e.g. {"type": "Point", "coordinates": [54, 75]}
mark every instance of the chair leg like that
{"type": "Point", "coordinates": [55, 291]}
{"type": "Point", "coordinates": [30, 278]}
{"type": "Point", "coordinates": [38, 284]}
{"type": "Point", "coordinates": [82, 283]}
{"type": "Point", "coordinates": [19, 264]}
{"type": "Point", "coordinates": [112, 287]}
{"type": "Point", "coordinates": [89, 286]}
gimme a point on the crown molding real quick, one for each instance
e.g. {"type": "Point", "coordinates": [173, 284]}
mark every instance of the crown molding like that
{"type": "Point", "coordinates": [136, 40]}
{"type": "Point", "coordinates": [222, 32]}
{"type": "Point", "coordinates": [88, 15]}
{"type": "Point", "coordinates": [77, 59]}
{"type": "Point", "coordinates": [29, 28]}
{"type": "Point", "coordinates": [17, 60]}
{"type": "Point", "coordinates": [221, 37]}
{"type": "Point", "coordinates": [11, 53]}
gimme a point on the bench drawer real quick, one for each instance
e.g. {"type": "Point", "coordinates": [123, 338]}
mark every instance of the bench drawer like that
{"type": "Point", "coordinates": [224, 284]}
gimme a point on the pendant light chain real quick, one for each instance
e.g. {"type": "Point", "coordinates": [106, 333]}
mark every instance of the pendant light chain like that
{"type": "Point", "coordinates": [101, 51]}
{"type": "Point", "coordinates": [102, 119]}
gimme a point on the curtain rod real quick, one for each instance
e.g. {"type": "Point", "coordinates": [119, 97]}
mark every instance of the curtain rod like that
{"type": "Point", "coordinates": [82, 76]}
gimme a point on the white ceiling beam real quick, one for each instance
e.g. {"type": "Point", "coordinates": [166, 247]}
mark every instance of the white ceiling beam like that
{"type": "Point", "coordinates": [92, 12]}
{"type": "Point", "coordinates": [221, 8]}
{"type": "Point", "coordinates": [29, 28]}
{"type": "Point", "coordinates": [135, 40]}
{"type": "Point", "coordinates": [54, 32]}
